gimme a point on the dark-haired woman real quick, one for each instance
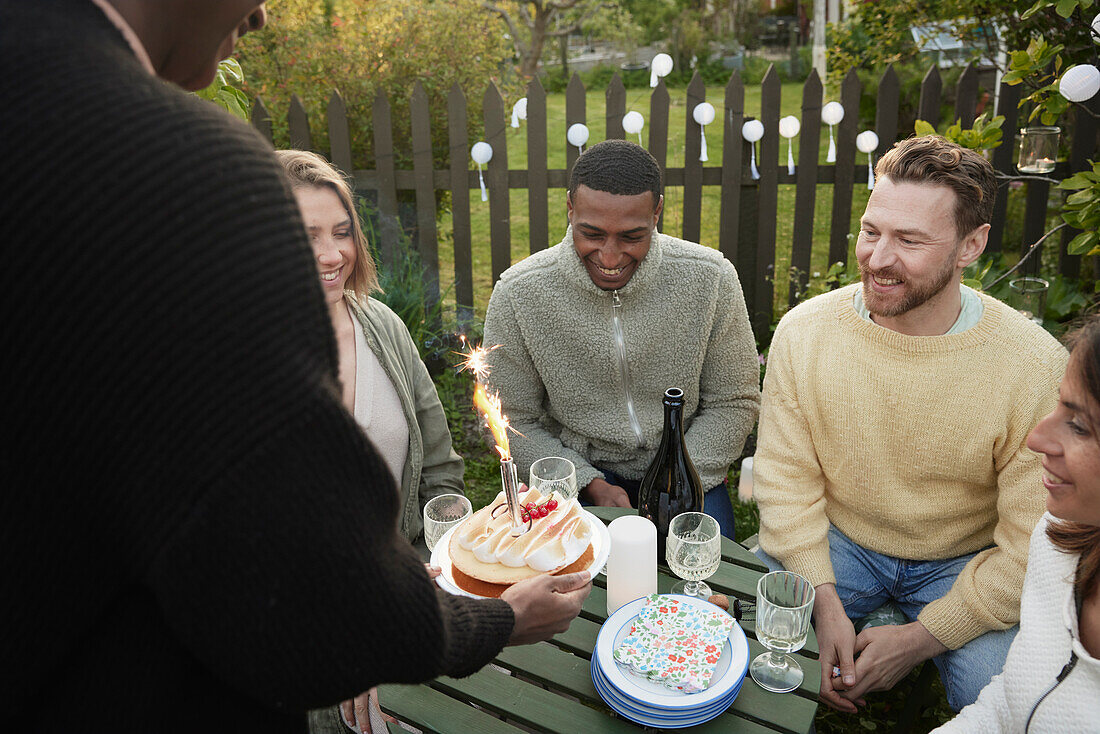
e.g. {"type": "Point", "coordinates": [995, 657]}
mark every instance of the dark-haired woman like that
{"type": "Point", "coordinates": [1051, 679]}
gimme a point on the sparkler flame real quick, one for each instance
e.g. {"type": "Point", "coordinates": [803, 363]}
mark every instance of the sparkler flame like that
{"type": "Point", "coordinates": [489, 406]}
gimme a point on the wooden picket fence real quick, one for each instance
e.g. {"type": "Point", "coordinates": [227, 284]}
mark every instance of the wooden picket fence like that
{"type": "Point", "coordinates": [748, 214]}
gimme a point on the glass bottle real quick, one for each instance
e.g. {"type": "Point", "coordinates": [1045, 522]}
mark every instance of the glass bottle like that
{"type": "Point", "coordinates": [671, 485]}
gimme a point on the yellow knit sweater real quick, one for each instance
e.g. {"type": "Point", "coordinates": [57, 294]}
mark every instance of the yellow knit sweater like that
{"type": "Point", "coordinates": [913, 447]}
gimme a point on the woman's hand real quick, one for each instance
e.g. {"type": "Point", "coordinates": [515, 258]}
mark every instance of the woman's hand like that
{"type": "Point", "coordinates": [357, 712]}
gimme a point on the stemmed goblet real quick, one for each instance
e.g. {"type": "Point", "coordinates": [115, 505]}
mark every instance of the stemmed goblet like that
{"type": "Point", "coordinates": [784, 603]}
{"type": "Point", "coordinates": [554, 474]}
{"type": "Point", "coordinates": [693, 552]}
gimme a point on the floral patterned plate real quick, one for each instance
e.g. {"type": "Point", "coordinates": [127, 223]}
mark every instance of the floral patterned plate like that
{"type": "Point", "coordinates": [729, 671]}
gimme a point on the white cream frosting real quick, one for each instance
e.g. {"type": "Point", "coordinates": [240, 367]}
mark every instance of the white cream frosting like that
{"type": "Point", "coordinates": [551, 543]}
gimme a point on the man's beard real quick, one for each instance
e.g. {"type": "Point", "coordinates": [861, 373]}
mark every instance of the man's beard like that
{"type": "Point", "coordinates": [915, 294]}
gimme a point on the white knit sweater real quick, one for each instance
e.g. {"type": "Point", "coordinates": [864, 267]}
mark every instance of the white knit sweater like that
{"type": "Point", "coordinates": [1048, 632]}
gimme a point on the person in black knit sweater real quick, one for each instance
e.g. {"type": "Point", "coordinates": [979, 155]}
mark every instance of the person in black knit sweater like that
{"type": "Point", "coordinates": [189, 513]}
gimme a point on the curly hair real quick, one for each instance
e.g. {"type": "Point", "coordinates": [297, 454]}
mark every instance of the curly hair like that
{"type": "Point", "coordinates": [933, 159]}
{"type": "Point", "coordinates": [617, 167]}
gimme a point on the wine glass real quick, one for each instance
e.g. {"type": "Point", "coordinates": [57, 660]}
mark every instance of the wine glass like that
{"type": "Point", "coordinates": [784, 603]}
{"type": "Point", "coordinates": [554, 474]}
{"type": "Point", "coordinates": [693, 552]}
{"type": "Point", "coordinates": [441, 513]}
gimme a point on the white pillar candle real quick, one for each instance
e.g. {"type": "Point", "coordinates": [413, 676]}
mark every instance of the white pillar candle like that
{"type": "Point", "coordinates": [632, 563]}
{"type": "Point", "coordinates": [744, 484]}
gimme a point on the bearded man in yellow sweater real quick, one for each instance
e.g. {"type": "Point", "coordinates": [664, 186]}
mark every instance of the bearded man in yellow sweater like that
{"type": "Point", "coordinates": [891, 462]}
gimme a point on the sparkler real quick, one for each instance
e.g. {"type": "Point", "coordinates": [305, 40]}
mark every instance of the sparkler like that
{"type": "Point", "coordinates": [489, 406]}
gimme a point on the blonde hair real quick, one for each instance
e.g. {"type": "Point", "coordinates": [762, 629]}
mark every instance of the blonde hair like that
{"type": "Point", "coordinates": [305, 168]}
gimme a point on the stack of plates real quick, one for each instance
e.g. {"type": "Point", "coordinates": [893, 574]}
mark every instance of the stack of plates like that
{"type": "Point", "coordinates": [653, 704]}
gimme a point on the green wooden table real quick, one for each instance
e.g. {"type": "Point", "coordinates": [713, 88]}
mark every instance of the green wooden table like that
{"type": "Point", "coordinates": [548, 686]}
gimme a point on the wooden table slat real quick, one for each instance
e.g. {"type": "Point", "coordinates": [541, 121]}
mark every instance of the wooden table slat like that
{"type": "Point", "coordinates": [433, 711]}
{"type": "Point", "coordinates": [531, 705]}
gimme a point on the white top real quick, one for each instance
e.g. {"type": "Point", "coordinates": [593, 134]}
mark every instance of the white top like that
{"type": "Point", "coordinates": [378, 408]}
{"type": "Point", "coordinates": [969, 314]}
{"type": "Point", "coordinates": [1048, 632]}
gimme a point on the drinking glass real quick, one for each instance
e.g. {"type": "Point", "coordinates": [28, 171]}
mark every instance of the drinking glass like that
{"type": "Point", "coordinates": [1029, 297]}
{"type": "Point", "coordinates": [693, 552]}
{"type": "Point", "coordinates": [784, 603]}
{"type": "Point", "coordinates": [1038, 149]}
{"type": "Point", "coordinates": [441, 513]}
{"type": "Point", "coordinates": [554, 474]}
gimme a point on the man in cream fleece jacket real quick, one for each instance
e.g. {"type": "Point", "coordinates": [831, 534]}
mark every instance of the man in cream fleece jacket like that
{"type": "Point", "coordinates": [891, 462]}
{"type": "Point", "coordinates": [593, 331]}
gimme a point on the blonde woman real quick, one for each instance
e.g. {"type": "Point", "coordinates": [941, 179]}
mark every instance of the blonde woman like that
{"type": "Point", "coordinates": [385, 384]}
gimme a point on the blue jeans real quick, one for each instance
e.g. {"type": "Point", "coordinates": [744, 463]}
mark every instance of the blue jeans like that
{"type": "Point", "coordinates": [716, 501]}
{"type": "Point", "coordinates": [866, 580]}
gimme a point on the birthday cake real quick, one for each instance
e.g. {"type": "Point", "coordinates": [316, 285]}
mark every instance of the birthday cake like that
{"type": "Point", "coordinates": [486, 558]}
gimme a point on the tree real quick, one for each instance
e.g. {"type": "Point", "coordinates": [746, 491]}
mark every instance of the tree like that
{"type": "Point", "coordinates": [361, 47]}
{"type": "Point", "coordinates": [531, 24]}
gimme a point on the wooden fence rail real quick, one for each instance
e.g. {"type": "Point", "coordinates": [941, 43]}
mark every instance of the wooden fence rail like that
{"type": "Point", "coordinates": [748, 206]}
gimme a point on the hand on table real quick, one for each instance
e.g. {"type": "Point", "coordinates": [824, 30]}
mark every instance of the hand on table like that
{"type": "Point", "coordinates": [433, 571]}
{"type": "Point", "coordinates": [886, 655]}
{"type": "Point", "coordinates": [356, 712]}
{"type": "Point", "coordinates": [602, 493]}
{"type": "Point", "coordinates": [545, 605]}
{"type": "Point", "coordinates": [836, 640]}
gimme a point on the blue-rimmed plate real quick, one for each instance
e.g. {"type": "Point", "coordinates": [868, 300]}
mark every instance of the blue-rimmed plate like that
{"type": "Point", "coordinates": [728, 673]}
{"type": "Point", "coordinates": [632, 712]}
{"type": "Point", "coordinates": [623, 704]}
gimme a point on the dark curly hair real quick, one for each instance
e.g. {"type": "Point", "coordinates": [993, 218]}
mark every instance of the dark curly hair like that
{"type": "Point", "coordinates": [617, 167]}
{"type": "Point", "coordinates": [935, 160]}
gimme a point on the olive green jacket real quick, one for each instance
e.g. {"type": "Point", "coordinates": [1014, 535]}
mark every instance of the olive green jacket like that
{"type": "Point", "coordinates": [432, 467]}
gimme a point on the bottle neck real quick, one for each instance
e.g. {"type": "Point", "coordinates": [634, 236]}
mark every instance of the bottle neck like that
{"type": "Point", "coordinates": [674, 423]}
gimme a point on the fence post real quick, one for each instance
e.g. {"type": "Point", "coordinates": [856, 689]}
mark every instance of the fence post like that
{"type": "Point", "coordinates": [460, 204]}
{"type": "Point", "coordinates": [298, 122]}
{"type": "Point", "coordinates": [805, 194]}
{"type": "Point", "coordinates": [693, 167]}
{"type": "Point", "coordinates": [931, 88]}
{"type": "Point", "coordinates": [1084, 145]}
{"type": "Point", "coordinates": [767, 211]}
{"type": "Point", "coordinates": [729, 217]}
{"type": "Point", "coordinates": [615, 108]}
{"type": "Point", "coordinates": [261, 120]}
{"type": "Point", "coordinates": [500, 233]}
{"type": "Point", "coordinates": [339, 137]}
{"type": "Point", "coordinates": [389, 225]}
{"type": "Point", "coordinates": [537, 180]}
{"type": "Point", "coordinates": [844, 171]}
{"type": "Point", "coordinates": [658, 132]}
{"type": "Point", "coordinates": [427, 240]}
{"type": "Point", "coordinates": [886, 112]}
{"type": "Point", "coordinates": [1003, 161]}
{"type": "Point", "coordinates": [966, 97]}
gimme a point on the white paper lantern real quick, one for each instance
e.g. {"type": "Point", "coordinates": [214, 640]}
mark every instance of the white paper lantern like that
{"type": "Point", "coordinates": [831, 114]}
{"type": "Point", "coordinates": [788, 128]}
{"type": "Point", "coordinates": [482, 153]}
{"type": "Point", "coordinates": [1080, 83]}
{"type": "Point", "coordinates": [577, 134]}
{"type": "Point", "coordinates": [704, 115]}
{"type": "Point", "coordinates": [519, 111]}
{"type": "Point", "coordinates": [1096, 29]}
{"type": "Point", "coordinates": [867, 142]}
{"type": "Point", "coordinates": [660, 66]}
{"type": "Point", "coordinates": [752, 131]}
{"type": "Point", "coordinates": [633, 122]}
